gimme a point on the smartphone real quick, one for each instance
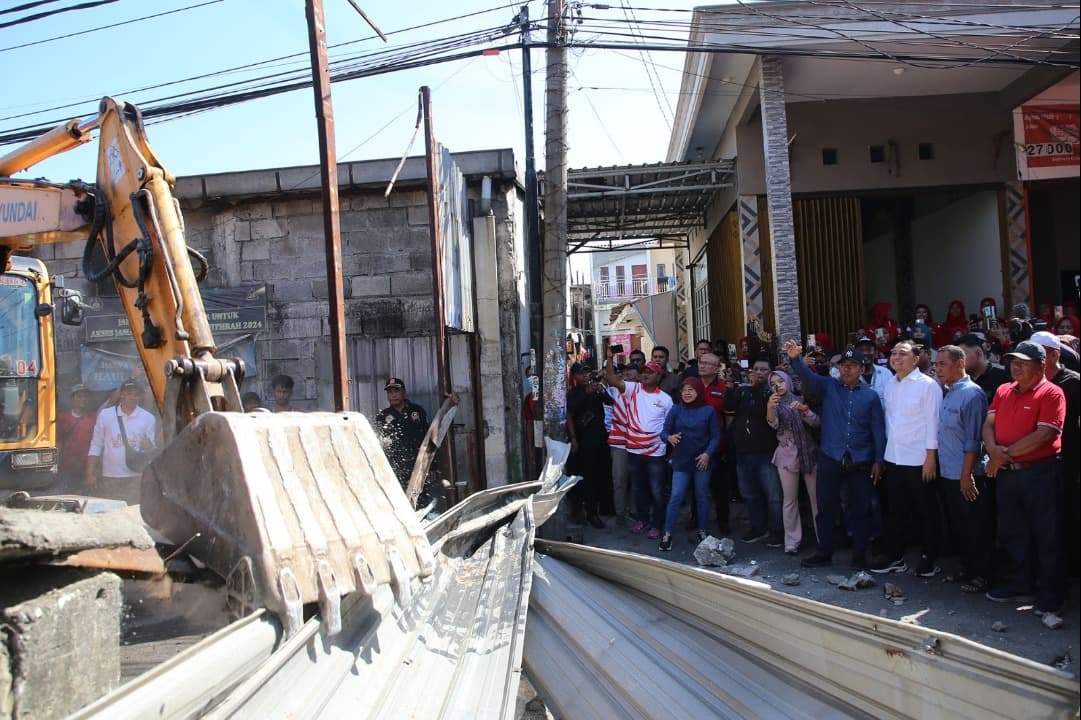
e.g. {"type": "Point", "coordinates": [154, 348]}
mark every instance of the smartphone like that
{"type": "Point", "coordinates": [744, 364]}
{"type": "Point", "coordinates": [1058, 313]}
{"type": "Point", "coordinates": [880, 333]}
{"type": "Point", "coordinates": [810, 340]}
{"type": "Point", "coordinates": [616, 349]}
{"type": "Point", "coordinates": [732, 351]}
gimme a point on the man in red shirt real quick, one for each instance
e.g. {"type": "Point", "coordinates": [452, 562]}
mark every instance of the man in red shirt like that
{"type": "Point", "coordinates": [74, 430]}
{"type": "Point", "coordinates": [1023, 435]}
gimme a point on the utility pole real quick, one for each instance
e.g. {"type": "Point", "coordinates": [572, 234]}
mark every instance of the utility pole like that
{"type": "Point", "coordinates": [532, 209]}
{"type": "Point", "coordinates": [555, 229]}
{"type": "Point", "coordinates": [328, 171]}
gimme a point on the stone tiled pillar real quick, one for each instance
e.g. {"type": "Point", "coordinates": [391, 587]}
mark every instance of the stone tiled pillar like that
{"type": "Point", "coordinates": [779, 200]}
{"type": "Point", "coordinates": [1019, 271]}
{"type": "Point", "coordinates": [752, 257]}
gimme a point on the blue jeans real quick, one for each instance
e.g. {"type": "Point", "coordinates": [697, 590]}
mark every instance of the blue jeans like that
{"type": "Point", "coordinates": [760, 486]}
{"type": "Point", "coordinates": [1028, 502]}
{"type": "Point", "coordinates": [858, 488]}
{"type": "Point", "coordinates": [680, 482]}
{"type": "Point", "coordinates": [648, 474]}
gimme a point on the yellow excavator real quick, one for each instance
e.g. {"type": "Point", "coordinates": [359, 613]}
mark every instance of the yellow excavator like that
{"type": "Point", "coordinates": [291, 509]}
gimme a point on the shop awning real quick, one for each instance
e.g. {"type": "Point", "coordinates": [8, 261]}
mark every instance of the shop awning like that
{"type": "Point", "coordinates": [641, 206]}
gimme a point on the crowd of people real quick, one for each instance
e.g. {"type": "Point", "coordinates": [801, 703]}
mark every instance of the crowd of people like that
{"type": "Point", "coordinates": [960, 437]}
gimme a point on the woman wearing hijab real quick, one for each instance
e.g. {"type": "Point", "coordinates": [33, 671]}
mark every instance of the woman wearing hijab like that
{"type": "Point", "coordinates": [694, 433]}
{"type": "Point", "coordinates": [796, 453]}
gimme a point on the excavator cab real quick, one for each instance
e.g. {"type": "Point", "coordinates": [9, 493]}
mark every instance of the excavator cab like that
{"type": "Point", "coordinates": [291, 509]}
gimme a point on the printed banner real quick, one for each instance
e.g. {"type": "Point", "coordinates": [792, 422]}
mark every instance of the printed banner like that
{"type": "Point", "coordinates": [1048, 141]}
{"type": "Point", "coordinates": [231, 312]}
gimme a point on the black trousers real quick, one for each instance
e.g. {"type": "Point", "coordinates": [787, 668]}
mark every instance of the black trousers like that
{"type": "Point", "coordinates": [975, 522]}
{"type": "Point", "coordinates": [911, 502]}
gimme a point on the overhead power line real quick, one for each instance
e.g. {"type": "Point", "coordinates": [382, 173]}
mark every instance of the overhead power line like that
{"type": "Point", "coordinates": [50, 13]}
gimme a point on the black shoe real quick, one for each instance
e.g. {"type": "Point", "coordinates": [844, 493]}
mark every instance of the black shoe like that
{"type": "Point", "coordinates": [816, 560]}
{"type": "Point", "coordinates": [859, 562]}
{"type": "Point", "coordinates": [666, 542]}
{"type": "Point", "coordinates": [927, 567]}
{"type": "Point", "coordinates": [885, 567]}
{"type": "Point", "coordinates": [775, 540]}
{"type": "Point", "coordinates": [595, 521]}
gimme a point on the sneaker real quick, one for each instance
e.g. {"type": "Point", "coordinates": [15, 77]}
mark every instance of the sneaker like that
{"type": "Point", "coordinates": [775, 540]}
{"type": "Point", "coordinates": [753, 537]}
{"type": "Point", "coordinates": [816, 560]}
{"type": "Point", "coordinates": [666, 542]}
{"type": "Point", "coordinates": [884, 567]}
{"type": "Point", "coordinates": [1005, 596]}
{"type": "Point", "coordinates": [595, 521]}
{"type": "Point", "coordinates": [700, 536]}
{"type": "Point", "coordinates": [653, 533]}
{"type": "Point", "coordinates": [638, 527]}
{"type": "Point", "coordinates": [859, 561]}
{"type": "Point", "coordinates": [1038, 612]}
{"type": "Point", "coordinates": [927, 567]}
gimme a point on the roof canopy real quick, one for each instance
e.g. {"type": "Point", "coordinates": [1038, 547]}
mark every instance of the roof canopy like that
{"type": "Point", "coordinates": [641, 206]}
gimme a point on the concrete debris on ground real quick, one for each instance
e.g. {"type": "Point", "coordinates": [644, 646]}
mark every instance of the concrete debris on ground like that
{"type": "Point", "coordinates": [716, 552]}
{"type": "Point", "coordinates": [894, 593]}
{"type": "Point", "coordinates": [999, 626]}
{"type": "Point", "coordinates": [1051, 621]}
{"type": "Point", "coordinates": [790, 579]}
{"type": "Point", "coordinates": [748, 570]}
{"type": "Point", "coordinates": [857, 581]}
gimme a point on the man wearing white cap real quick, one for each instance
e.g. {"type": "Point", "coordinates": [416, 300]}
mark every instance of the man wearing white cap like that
{"type": "Point", "coordinates": [1070, 383]}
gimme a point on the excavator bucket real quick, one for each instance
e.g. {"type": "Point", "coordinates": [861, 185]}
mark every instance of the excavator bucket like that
{"type": "Point", "coordinates": [290, 508]}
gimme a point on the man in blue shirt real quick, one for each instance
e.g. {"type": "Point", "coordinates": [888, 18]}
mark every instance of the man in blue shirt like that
{"type": "Point", "coordinates": [960, 449]}
{"type": "Point", "coordinates": [853, 446]}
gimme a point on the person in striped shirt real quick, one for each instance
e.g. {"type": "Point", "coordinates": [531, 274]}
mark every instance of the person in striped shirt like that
{"type": "Point", "coordinates": [646, 407]}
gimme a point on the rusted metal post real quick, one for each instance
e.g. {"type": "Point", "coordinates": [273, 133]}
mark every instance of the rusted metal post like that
{"type": "Point", "coordinates": [446, 454]}
{"type": "Point", "coordinates": [328, 172]}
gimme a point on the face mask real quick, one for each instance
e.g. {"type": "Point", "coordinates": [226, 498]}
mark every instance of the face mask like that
{"type": "Point", "coordinates": [835, 373]}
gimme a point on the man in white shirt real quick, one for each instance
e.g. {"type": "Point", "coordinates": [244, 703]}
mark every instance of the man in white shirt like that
{"type": "Point", "coordinates": [107, 471]}
{"type": "Point", "coordinates": [912, 402]}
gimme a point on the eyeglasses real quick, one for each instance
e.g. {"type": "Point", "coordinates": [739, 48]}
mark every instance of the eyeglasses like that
{"type": "Point", "coordinates": [709, 362]}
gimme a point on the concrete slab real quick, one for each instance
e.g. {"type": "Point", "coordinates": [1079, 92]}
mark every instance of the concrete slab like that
{"type": "Point", "coordinates": [61, 631]}
{"type": "Point", "coordinates": [27, 534]}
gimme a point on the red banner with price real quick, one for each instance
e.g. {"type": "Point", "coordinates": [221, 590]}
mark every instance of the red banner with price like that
{"type": "Point", "coordinates": [1050, 142]}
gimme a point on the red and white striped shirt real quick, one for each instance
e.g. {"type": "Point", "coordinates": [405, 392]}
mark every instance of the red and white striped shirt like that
{"type": "Point", "coordinates": [645, 414]}
{"type": "Point", "coordinates": [617, 434]}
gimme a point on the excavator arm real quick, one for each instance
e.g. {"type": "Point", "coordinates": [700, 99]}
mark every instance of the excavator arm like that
{"type": "Point", "coordinates": [291, 509]}
{"type": "Point", "coordinates": [132, 215]}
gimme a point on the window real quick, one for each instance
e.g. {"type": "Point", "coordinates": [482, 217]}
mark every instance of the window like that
{"type": "Point", "coordinates": [639, 280]}
{"type": "Point", "coordinates": [660, 270]}
{"type": "Point", "coordinates": [621, 281]}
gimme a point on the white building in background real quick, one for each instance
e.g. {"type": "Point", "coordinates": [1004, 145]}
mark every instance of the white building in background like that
{"type": "Point", "coordinates": [634, 300]}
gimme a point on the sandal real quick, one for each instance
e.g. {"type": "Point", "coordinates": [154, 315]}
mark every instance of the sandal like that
{"type": "Point", "coordinates": [975, 585]}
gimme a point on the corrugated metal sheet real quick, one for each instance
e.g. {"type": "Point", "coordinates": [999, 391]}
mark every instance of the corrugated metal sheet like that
{"type": "Point", "coordinates": [623, 635]}
{"type": "Point", "coordinates": [449, 646]}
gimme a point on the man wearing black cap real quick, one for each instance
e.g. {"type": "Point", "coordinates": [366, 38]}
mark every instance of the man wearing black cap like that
{"type": "Point", "coordinates": [873, 374]}
{"type": "Point", "coordinates": [853, 448]}
{"type": "Point", "coordinates": [401, 429]}
{"type": "Point", "coordinates": [985, 374]}
{"type": "Point", "coordinates": [1023, 437]}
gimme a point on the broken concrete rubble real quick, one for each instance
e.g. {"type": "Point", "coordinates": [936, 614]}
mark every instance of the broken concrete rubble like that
{"type": "Point", "coordinates": [717, 552]}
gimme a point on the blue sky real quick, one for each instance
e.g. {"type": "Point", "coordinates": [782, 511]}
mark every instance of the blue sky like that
{"type": "Point", "coordinates": [615, 116]}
